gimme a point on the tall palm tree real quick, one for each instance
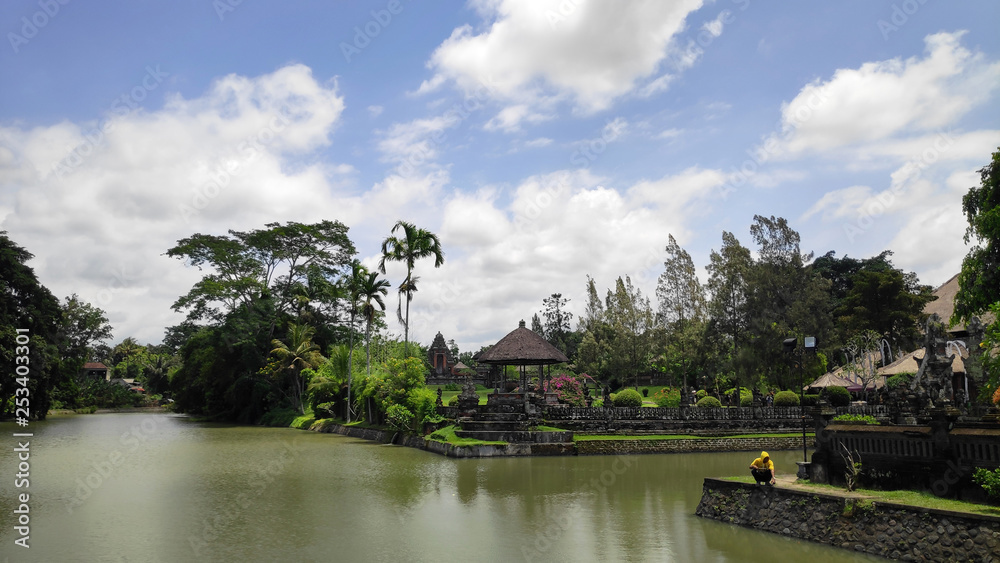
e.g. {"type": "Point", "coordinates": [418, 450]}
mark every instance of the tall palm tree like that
{"type": "Point", "coordinates": [371, 291]}
{"type": "Point", "coordinates": [299, 353]}
{"type": "Point", "coordinates": [354, 283]}
{"type": "Point", "coordinates": [413, 245]}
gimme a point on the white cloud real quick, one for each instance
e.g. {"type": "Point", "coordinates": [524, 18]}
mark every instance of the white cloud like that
{"type": "Point", "coordinates": [375, 111]}
{"type": "Point", "coordinates": [507, 254]}
{"type": "Point", "coordinates": [533, 52]}
{"type": "Point", "coordinates": [98, 217]}
{"type": "Point", "coordinates": [538, 143]}
{"type": "Point", "coordinates": [885, 99]}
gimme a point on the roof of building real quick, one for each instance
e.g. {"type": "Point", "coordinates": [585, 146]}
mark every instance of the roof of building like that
{"type": "Point", "coordinates": [94, 365]}
{"type": "Point", "coordinates": [523, 347]}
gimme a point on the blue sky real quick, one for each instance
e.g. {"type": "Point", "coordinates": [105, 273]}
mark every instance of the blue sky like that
{"type": "Point", "coordinates": [543, 141]}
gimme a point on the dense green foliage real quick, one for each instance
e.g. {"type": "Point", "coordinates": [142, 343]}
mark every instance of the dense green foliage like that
{"type": "Point", "coordinates": [667, 397]}
{"type": "Point", "coordinates": [989, 481]}
{"type": "Point", "coordinates": [856, 418]}
{"type": "Point", "coordinates": [628, 398]}
{"type": "Point", "coordinates": [786, 399]}
{"type": "Point", "coordinates": [979, 280]}
{"type": "Point", "coordinates": [837, 396]}
{"type": "Point", "coordinates": [399, 417]}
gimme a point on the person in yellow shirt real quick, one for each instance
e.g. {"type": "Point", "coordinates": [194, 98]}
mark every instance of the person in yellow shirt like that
{"type": "Point", "coordinates": [762, 469]}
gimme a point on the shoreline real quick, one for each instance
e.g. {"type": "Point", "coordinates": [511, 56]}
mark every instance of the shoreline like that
{"type": "Point", "coordinates": [616, 445]}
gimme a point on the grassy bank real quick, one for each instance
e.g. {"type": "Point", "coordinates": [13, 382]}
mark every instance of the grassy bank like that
{"type": "Point", "coordinates": [909, 498]}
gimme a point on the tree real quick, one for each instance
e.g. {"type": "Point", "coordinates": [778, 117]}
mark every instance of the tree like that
{"type": "Point", "coordinates": [271, 263]}
{"type": "Point", "coordinates": [631, 319]}
{"type": "Point", "coordinates": [371, 291]}
{"type": "Point", "coordinates": [536, 325]}
{"type": "Point", "coordinates": [412, 246]}
{"type": "Point", "coordinates": [27, 308]}
{"type": "Point", "coordinates": [979, 280]}
{"type": "Point", "coordinates": [890, 303]}
{"type": "Point", "coordinates": [680, 294]}
{"type": "Point", "coordinates": [728, 272]}
{"type": "Point", "coordinates": [556, 328]}
{"type": "Point", "coordinates": [354, 284]}
{"type": "Point", "coordinates": [863, 349]}
{"type": "Point", "coordinates": [297, 354]}
{"type": "Point", "coordinates": [82, 327]}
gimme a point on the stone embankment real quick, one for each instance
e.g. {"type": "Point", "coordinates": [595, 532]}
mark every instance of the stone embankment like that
{"type": "Point", "coordinates": [689, 445]}
{"type": "Point", "coordinates": [852, 522]}
{"type": "Point", "coordinates": [588, 447]}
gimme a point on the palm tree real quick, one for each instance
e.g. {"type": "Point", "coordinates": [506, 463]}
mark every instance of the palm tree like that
{"type": "Point", "coordinates": [354, 283]}
{"type": "Point", "coordinates": [299, 353]}
{"type": "Point", "coordinates": [371, 291]}
{"type": "Point", "coordinates": [415, 244]}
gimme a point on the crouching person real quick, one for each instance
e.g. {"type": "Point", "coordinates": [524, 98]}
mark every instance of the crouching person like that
{"type": "Point", "coordinates": [762, 470]}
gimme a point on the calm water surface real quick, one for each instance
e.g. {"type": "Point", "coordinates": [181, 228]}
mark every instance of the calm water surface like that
{"type": "Point", "coordinates": [158, 487]}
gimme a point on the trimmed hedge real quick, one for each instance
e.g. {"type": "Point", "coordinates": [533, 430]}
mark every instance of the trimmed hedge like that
{"type": "Point", "coordinates": [628, 398]}
{"type": "Point", "coordinates": [709, 403]}
{"type": "Point", "coordinates": [786, 399]}
{"type": "Point", "coordinates": [838, 396]}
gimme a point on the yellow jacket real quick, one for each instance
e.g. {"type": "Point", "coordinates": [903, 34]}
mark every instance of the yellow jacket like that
{"type": "Point", "coordinates": [763, 462]}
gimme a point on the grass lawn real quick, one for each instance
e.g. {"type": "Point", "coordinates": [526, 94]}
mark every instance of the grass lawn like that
{"type": "Point", "coordinates": [910, 498]}
{"type": "Point", "coordinates": [447, 435]}
{"type": "Point", "coordinates": [593, 437]}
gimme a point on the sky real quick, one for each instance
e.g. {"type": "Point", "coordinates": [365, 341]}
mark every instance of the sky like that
{"type": "Point", "coordinates": [542, 141]}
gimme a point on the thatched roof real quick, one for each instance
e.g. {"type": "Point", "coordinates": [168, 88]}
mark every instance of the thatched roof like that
{"type": "Point", "coordinates": [910, 364]}
{"type": "Point", "coordinates": [831, 379]}
{"type": "Point", "coordinates": [460, 365]}
{"type": "Point", "coordinates": [523, 347]}
{"type": "Point", "coordinates": [944, 305]}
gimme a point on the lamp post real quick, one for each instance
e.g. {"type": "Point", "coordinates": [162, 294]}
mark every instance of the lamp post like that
{"type": "Point", "coordinates": [808, 344]}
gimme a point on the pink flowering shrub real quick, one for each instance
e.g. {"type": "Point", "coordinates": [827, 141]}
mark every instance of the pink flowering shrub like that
{"type": "Point", "coordinates": [570, 389]}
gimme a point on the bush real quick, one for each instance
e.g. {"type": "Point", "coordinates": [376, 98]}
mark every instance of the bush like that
{"type": "Point", "coordinates": [899, 380]}
{"type": "Point", "coordinates": [325, 410]}
{"type": "Point", "coordinates": [399, 417]}
{"type": "Point", "coordinates": [422, 402]}
{"type": "Point", "coordinates": [708, 402]}
{"type": "Point", "coordinates": [598, 403]}
{"type": "Point", "coordinates": [570, 390]}
{"type": "Point", "coordinates": [279, 417]}
{"type": "Point", "coordinates": [786, 399]}
{"type": "Point", "coordinates": [989, 481]}
{"type": "Point", "coordinates": [838, 396]}
{"type": "Point", "coordinates": [701, 394]}
{"type": "Point", "coordinates": [746, 396]}
{"type": "Point", "coordinates": [628, 398]}
{"type": "Point", "coordinates": [668, 397]}
{"type": "Point", "coordinates": [867, 419]}
{"type": "Point", "coordinates": [452, 387]}
{"type": "Point", "coordinates": [453, 402]}
{"type": "Point", "coordinates": [810, 400]}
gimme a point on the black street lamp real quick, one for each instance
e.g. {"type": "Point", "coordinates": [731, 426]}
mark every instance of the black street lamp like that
{"type": "Point", "coordinates": [808, 345]}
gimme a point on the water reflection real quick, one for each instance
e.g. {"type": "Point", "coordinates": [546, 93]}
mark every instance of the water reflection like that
{"type": "Point", "coordinates": [186, 491]}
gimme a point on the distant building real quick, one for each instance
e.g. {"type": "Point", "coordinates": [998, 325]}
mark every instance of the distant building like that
{"type": "Point", "coordinates": [440, 358]}
{"type": "Point", "coordinates": [96, 370]}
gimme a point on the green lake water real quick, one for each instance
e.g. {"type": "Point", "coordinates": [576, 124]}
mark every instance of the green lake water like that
{"type": "Point", "coordinates": [159, 487]}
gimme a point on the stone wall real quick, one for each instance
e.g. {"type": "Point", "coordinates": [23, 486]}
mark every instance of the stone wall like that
{"type": "Point", "coordinates": [883, 529]}
{"type": "Point", "coordinates": [609, 447]}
